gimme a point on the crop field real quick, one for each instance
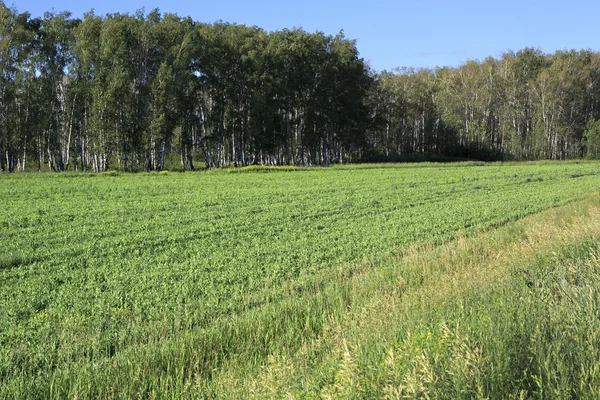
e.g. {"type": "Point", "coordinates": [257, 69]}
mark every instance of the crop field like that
{"type": "Point", "coordinates": [254, 282]}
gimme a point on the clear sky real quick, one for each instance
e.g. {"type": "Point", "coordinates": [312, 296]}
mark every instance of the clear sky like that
{"type": "Point", "coordinates": [390, 34]}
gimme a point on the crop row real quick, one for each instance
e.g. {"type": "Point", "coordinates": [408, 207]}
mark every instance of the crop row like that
{"type": "Point", "coordinates": [92, 265]}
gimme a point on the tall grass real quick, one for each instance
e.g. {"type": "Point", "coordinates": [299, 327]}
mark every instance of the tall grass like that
{"type": "Point", "coordinates": [512, 313]}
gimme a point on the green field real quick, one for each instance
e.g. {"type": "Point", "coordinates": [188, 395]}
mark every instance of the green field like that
{"type": "Point", "coordinates": [217, 284]}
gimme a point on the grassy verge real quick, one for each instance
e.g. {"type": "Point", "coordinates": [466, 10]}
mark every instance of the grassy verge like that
{"type": "Point", "coordinates": [511, 313]}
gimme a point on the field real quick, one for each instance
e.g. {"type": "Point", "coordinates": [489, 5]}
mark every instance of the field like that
{"type": "Point", "coordinates": [444, 280]}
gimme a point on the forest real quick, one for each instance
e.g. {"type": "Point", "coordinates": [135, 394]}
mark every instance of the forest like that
{"type": "Point", "coordinates": [153, 91]}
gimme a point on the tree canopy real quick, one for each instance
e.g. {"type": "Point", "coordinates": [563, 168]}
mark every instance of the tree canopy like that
{"type": "Point", "coordinates": [151, 90]}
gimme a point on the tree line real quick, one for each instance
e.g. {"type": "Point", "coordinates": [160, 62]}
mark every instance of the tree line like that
{"type": "Point", "coordinates": [150, 91]}
{"type": "Point", "coordinates": [524, 106]}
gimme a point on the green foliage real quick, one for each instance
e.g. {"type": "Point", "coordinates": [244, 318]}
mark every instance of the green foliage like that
{"type": "Point", "coordinates": [535, 336]}
{"type": "Point", "coordinates": [10, 260]}
{"type": "Point", "coordinates": [146, 285]}
{"type": "Point", "coordinates": [263, 168]}
{"type": "Point", "coordinates": [592, 139]}
{"type": "Point", "coordinates": [525, 105]}
{"type": "Point", "coordinates": [143, 92]}
{"type": "Point", "coordinates": [110, 173]}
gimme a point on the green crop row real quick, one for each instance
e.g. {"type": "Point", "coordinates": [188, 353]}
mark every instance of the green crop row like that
{"type": "Point", "coordinates": [93, 266]}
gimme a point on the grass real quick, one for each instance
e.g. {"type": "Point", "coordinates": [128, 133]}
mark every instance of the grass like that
{"type": "Point", "coordinates": [340, 282]}
{"type": "Point", "coordinates": [511, 313]}
{"type": "Point", "coordinates": [263, 168]}
{"type": "Point", "coordinates": [10, 261]}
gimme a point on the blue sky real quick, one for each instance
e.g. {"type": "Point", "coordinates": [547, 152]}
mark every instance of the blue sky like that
{"type": "Point", "coordinates": [390, 34]}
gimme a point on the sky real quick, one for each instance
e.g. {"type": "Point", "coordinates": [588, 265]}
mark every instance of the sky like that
{"type": "Point", "coordinates": [389, 34]}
